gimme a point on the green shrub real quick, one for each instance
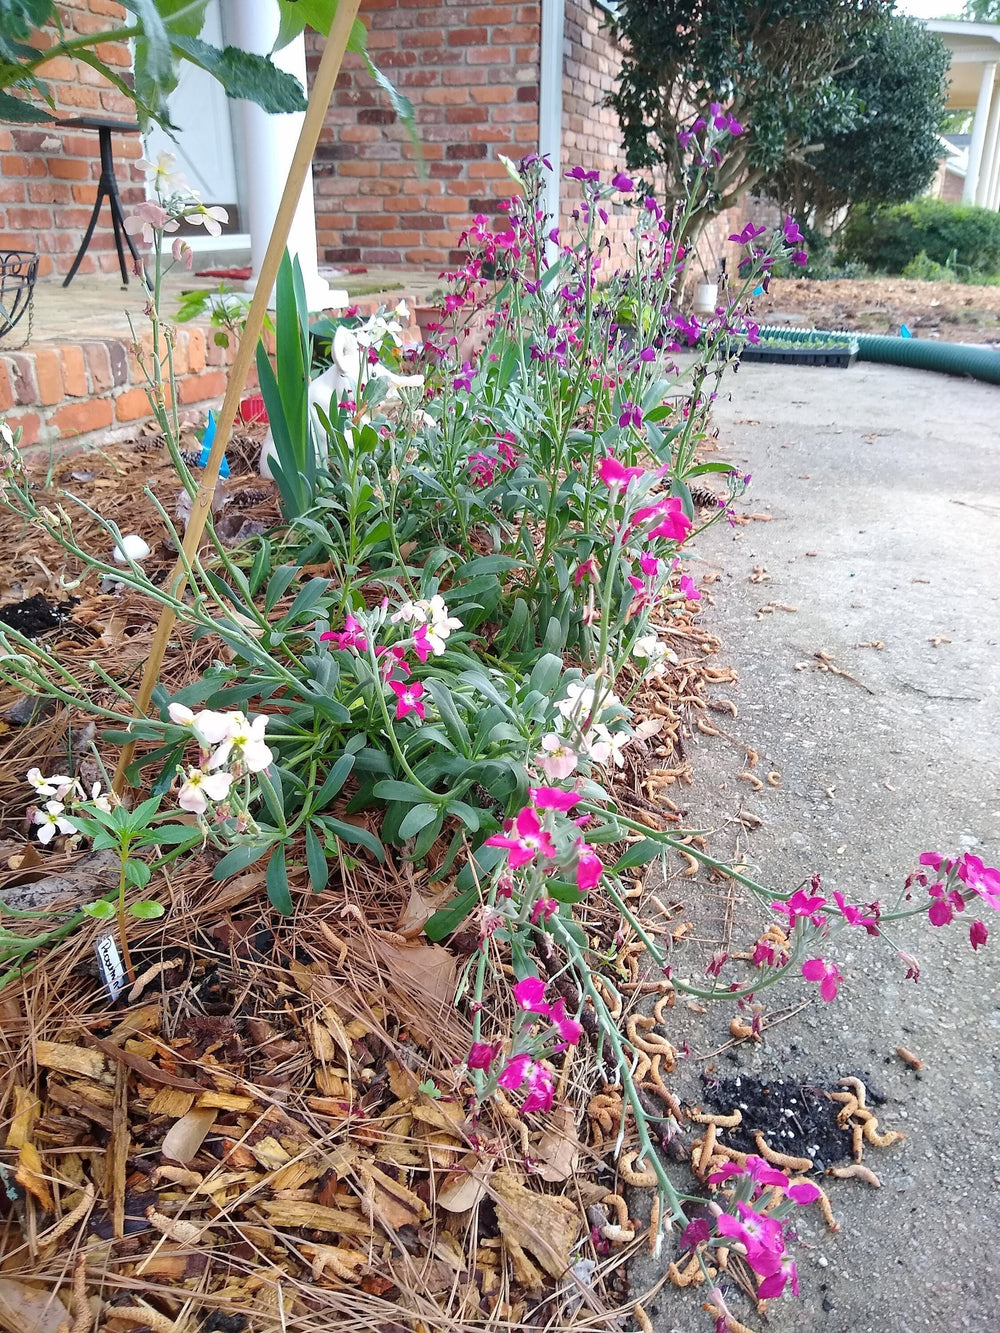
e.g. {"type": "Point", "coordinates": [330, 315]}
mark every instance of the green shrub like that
{"type": "Point", "coordinates": [957, 236]}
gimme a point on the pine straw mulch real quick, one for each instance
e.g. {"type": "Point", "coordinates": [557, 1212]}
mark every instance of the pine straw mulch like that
{"type": "Point", "coordinates": [270, 1130]}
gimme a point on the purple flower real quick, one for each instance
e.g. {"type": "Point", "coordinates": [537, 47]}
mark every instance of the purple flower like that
{"type": "Point", "coordinates": [791, 231]}
{"type": "Point", "coordinates": [622, 182]}
{"type": "Point", "coordinates": [580, 174]}
{"type": "Point", "coordinates": [799, 257]}
{"type": "Point", "coordinates": [749, 233]}
{"type": "Point", "coordinates": [463, 380]}
{"type": "Point", "coordinates": [648, 354]}
{"type": "Point", "coordinates": [631, 414]}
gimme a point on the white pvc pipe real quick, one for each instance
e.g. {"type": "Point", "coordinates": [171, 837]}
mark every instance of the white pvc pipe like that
{"type": "Point", "coordinates": [550, 106]}
{"type": "Point", "coordinates": [268, 142]}
{"type": "Point", "coordinates": [983, 102]}
{"type": "Point", "coordinates": [987, 168]}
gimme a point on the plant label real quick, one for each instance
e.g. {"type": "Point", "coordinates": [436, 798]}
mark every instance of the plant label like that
{"type": "Point", "coordinates": [110, 962]}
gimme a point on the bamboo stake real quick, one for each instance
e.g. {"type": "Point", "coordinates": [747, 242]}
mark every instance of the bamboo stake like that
{"type": "Point", "coordinates": [319, 101]}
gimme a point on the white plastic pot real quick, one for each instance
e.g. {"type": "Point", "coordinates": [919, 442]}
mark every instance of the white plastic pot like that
{"type": "Point", "coordinates": [706, 296]}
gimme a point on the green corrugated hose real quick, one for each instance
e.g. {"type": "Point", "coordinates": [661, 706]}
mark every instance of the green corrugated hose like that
{"type": "Point", "coordinates": [982, 363]}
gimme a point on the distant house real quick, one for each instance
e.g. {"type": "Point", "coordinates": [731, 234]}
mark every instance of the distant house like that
{"type": "Point", "coordinates": [971, 171]}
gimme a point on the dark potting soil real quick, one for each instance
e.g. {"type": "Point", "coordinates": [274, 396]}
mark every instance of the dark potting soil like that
{"type": "Point", "coordinates": [36, 614]}
{"type": "Point", "coordinates": [795, 1118]}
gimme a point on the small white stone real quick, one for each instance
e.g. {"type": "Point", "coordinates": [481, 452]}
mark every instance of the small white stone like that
{"type": "Point", "coordinates": [132, 548]}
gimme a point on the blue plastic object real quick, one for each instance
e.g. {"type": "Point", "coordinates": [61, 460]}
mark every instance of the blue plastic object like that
{"type": "Point", "coordinates": [206, 447]}
{"type": "Point", "coordinates": [904, 332]}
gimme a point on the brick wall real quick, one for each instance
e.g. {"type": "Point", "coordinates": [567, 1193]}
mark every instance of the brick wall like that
{"type": "Point", "coordinates": [48, 176]}
{"type": "Point", "coordinates": [471, 72]}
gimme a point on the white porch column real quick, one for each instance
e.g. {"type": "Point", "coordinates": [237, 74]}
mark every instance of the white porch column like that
{"type": "Point", "coordinates": [550, 107]}
{"type": "Point", "coordinates": [988, 164]}
{"type": "Point", "coordinates": [268, 145]}
{"type": "Point", "coordinates": [983, 106]}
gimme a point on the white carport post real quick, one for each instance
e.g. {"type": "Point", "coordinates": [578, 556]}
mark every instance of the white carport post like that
{"type": "Point", "coordinates": [550, 108]}
{"type": "Point", "coordinates": [268, 143]}
{"type": "Point", "coordinates": [987, 168]}
{"type": "Point", "coordinates": [983, 106]}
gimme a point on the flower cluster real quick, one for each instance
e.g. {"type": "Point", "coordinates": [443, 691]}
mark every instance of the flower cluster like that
{"type": "Point", "coordinates": [61, 793]}
{"type": "Point", "coordinates": [223, 739]}
{"type": "Point", "coordinates": [484, 469]}
{"type": "Point", "coordinates": [583, 731]}
{"type": "Point", "coordinates": [959, 880]}
{"type": "Point", "coordinates": [757, 1230]}
{"type": "Point", "coordinates": [524, 1065]}
{"type": "Point", "coordinates": [535, 842]}
{"type": "Point", "coordinates": [175, 202]}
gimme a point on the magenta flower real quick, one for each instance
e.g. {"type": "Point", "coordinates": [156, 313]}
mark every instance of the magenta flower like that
{"type": "Point", "coordinates": [622, 182]}
{"type": "Point", "coordinates": [805, 1192]}
{"type": "Point", "coordinates": [981, 879]}
{"type": "Point", "coordinates": [631, 414]}
{"type": "Point", "coordinates": [748, 234]}
{"type": "Point", "coordinates": [615, 474]}
{"type": "Point", "coordinates": [482, 1054]}
{"type": "Point", "coordinates": [553, 798]}
{"type": "Point", "coordinates": [514, 1071]}
{"type": "Point", "coordinates": [801, 905]}
{"type": "Point", "coordinates": [697, 1231]}
{"type": "Point", "coordinates": [541, 1090]}
{"type": "Point", "coordinates": [945, 904]}
{"type": "Point", "coordinates": [352, 636]}
{"type": "Point", "coordinates": [760, 1235]}
{"type": "Point", "coordinates": [391, 660]}
{"type": "Point", "coordinates": [530, 996]}
{"type": "Point", "coordinates": [649, 565]}
{"type": "Point", "coordinates": [826, 973]}
{"type": "Point", "coordinates": [764, 1174]}
{"type": "Point", "coordinates": [407, 698]}
{"type": "Point", "coordinates": [568, 1028]}
{"type": "Point", "coordinates": [977, 934]}
{"type": "Point", "coordinates": [589, 868]}
{"type": "Point", "coordinates": [790, 228]}
{"type": "Point", "coordinates": [542, 909]}
{"type": "Point", "coordinates": [774, 1284]}
{"type": "Point", "coordinates": [528, 841]}
{"type": "Point", "coordinates": [687, 587]}
{"type": "Point", "coordinates": [587, 569]}
{"type": "Point", "coordinates": [854, 915]}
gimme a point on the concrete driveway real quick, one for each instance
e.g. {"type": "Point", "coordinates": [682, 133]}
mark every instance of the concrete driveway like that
{"type": "Point", "coordinates": [883, 487]}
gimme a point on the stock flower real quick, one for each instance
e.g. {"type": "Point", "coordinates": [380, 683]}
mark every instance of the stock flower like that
{"type": "Point", "coordinates": [164, 179]}
{"type": "Point", "coordinates": [147, 219]}
{"type": "Point", "coordinates": [854, 915]}
{"type": "Point", "coordinates": [687, 587]}
{"type": "Point", "coordinates": [589, 867]}
{"type": "Point", "coordinates": [980, 878]}
{"type": "Point", "coordinates": [648, 648]}
{"type": "Point", "coordinates": [57, 785]}
{"type": "Point", "coordinates": [615, 474]}
{"type": "Point", "coordinates": [760, 1235]}
{"type": "Point", "coordinates": [50, 821]}
{"type": "Point", "coordinates": [581, 174]}
{"type": "Point", "coordinates": [351, 636]}
{"type": "Point", "coordinates": [977, 934]}
{"type": "Point", "coordinates": [530, 996]}
{"type": "Point", "coordinates": [826, 973]}
{"type": "Point", "coordinates": [553, 798]}
{"type": "Point", "coordinates": [801, 905]}
{"type": "Point", "coordinates": [944, 904]}
{"type": "Point", "coordinates": [622, 182]}
{"type": "Point", "coordinates": [606, 746]}
{"type": "Point", "coordinates": [541, 1089]}
{"type": "Point", "coordinates": [482, 1054]}
{"type": "Point", "coordinates": [748, 234]}
{"type": "Point", "coordinates": [209, 218]}
{"type": "Point", "coordinates": [630, 414]}
{"type": "Point", "coordinates": [210, 728]}
{"type": "Point", "coordinates": [408, 698]}
{"type": "Point", "coordinates": [803, 1192]}
{"type": "Point", "coordinates": [542, 909]}
{"type": "Point", "coordinates": [199, 788]}
{"type": "Point", "coordinates": [790, 230]}
{"type": "Point", "coordinates": [774, 1283]}
{"type": "Point", "coordinates": [244, 741]}
{"type": "Point", "coordinates": [586, 569]}
{"type": "Point", "coordinates": [528, 841]}
{"type": "Point", "coordinates": [557, 760]}
{"type": "Point", "coordinates": [570, 1031]}
{"type": "Point", "coordinates": [182, 252]}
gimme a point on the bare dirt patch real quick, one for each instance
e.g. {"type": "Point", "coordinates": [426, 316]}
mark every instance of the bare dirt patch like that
{"type": "Point", "coordinates": [950, 311]}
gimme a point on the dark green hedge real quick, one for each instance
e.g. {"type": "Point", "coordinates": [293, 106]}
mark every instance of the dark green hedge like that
{"type": "Point", "coordinates": [888, 238]}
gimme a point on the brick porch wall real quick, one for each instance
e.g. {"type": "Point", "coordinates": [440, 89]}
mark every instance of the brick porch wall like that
{"type": "Point", "coordinates": [471, 72]}
{"type": "Point", "coordinates": [47, 192]}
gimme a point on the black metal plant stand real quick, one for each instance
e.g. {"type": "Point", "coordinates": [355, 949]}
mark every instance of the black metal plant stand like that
{"type": "Point", "coordinates": [107, 187]}
{"type": "Point", "coordinates": [18, 271]}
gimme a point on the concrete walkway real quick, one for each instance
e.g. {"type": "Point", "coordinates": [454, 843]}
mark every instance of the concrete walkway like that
{"type": "Point", "coordinates": [884, 489]}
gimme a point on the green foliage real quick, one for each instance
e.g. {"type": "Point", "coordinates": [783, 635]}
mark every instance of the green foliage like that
{"type": "Point", "coordinates": [772, 63]}
{"type": "Point", "coordinates": [955, 235]}
{"type": "Point", "coordinates": [885, 149]}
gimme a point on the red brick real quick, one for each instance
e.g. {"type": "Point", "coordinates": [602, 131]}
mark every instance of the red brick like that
{"type": "Point", "coordinates": [197, 388]}
{"type": "Point", "coordinates": [12, 192]}
{"type": "Point", "coordinates": [66, 168]}
{"type": "Point", "coordinates": [77, 96]}
{"type": "Point", "coordinates": [30, 423]}
{"type": "Point", "coordinates": [132, 405]}
{"type": "Point", "coordinates": [74, 371]}
{"type": "Point", "coordinates": [99, 365]}
{"type": "Point", "coordinates": [83, 417]}
{"type": "Point", "coordinates": [470, 36]}
{"type": "Point", "coordinates": [48, 376]}
{"type": "Point", "coordinates": [196, 351]}
{"type": "Point", "coordinates": [6, 392]}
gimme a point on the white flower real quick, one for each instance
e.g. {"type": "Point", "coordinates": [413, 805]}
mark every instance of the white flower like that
{"type": "Point", "coordinates": [402, 312]}
{"type": "Point", "coordinates": [604, 746]}
{"type": "Point", "coordinates": [164, 178]}
{"type": "Point", "coordinates": [407, 614]}
{"type": "Point", "coordinates": [557, 760]}
{"type": "Point", "coordinates": [579, 701]}
{"type": "Point", "coordinates": [209, 727]}
{"type": "Point", "coordinates": [656, 655]}
{"type": "Point", "coordinates": [245, 742]}
{"type": "Point", "coordinates": [210, 218]}
{"type": "Point", "coordinates": [199, 788]}
{"type": "Point", "coordinates": [50, 821]}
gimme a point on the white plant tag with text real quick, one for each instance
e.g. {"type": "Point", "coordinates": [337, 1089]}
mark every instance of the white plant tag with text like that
{"type": "Point", "coordinates": [112, 968]}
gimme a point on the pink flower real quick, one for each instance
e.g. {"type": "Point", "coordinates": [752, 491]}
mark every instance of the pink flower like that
{"type": "Point", "coordinates": [759, 1170]}
{"type": "Point", "coordinates": [421, 643]}
{"type": "Point", "coordinates": [529, 840]}
{"type": "Point", "coordinates": [631, 414]}
{"type": "Point", "coordinates": [542, 909]}
{"type": "Point", "coordinates": [827, 974]}
{"type": "Point", "coordinates": [687, 587]}
{"type": "Point", "coordinates": [982, 879]}
{"type": "Point", "coordinates": [553, 798]}
{"type": "Point", "coordinates": [587, 569]}
{"type": "Point", "coordinates": [407, 698]}
{"type": "Point", "coordinates": [697, 1231]}
{"type": "Point", "coordinates": [853, 915]}
{"type": "Point", "coordinates": [352, 636]}
{"type": "Point", "coordinates": [392, 660]}
{"type": "Point", "coordinates": [944, 905]}
{"type": "Point", "coordinates": [541, 1091]}
{"type": "Point", "coordinates": [568, 1028]}
{"type": "Point", "coordinates": [615, 474]}
{"type": "Point", "coordinates": [557, 760]}
{"type": "Point", "coordinates": [803, 1193]}
{"type": "Point", "coordinates": [761, 1236]}
{"type": "Point", "coordinates": [649, 565]}
{"type": "Point", "coordinates": [589, 867]}
{"type": "Point", "coordinates": [530, 996]}
{"type": "Point", "coordinates": [977, 934]}
{"type": "Point", "coordinates": [482, 1054]}
{"type": "Point", "coordinates": [801, 905]}
{"type": "Point", "coordinates": [514, 1071]}
{"type": "Point", "coordinates": [774, 1284]}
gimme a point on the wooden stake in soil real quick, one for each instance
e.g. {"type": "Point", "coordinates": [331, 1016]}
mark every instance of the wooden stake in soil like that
{"type": "Point", "coordinates": [319, 100]}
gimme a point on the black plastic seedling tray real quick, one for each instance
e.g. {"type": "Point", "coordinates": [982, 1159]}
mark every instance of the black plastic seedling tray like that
{"type": "Point", "coordinates": [840, 358]}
